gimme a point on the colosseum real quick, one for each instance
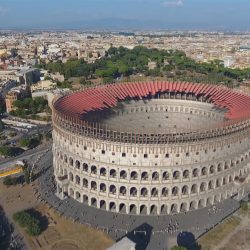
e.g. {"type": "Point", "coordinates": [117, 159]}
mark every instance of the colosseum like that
{"type": "Point", "coordinates": [151, 148]}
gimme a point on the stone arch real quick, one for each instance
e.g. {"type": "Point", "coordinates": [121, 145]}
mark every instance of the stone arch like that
{"type": "Point", "coordinates": [175, 191]}
{"type": "Point", "coordinates": [77, 164]}
{"type": "Point", "coordinates": [123, 174]}
{"type": "Point", "coordinates": [209, 201]}
{"type": "Point", "coordinates": [71, 162]}
{"type": "Point", "coordinates": [155, 176]}
{"type": "Point", "coordinates": [230, 179]}
{"type": "Point", "coordinates": [183, 207]}
{"type": "Point", "coordinates": [184, 190]}
{"type": "Point", "coordinates": [165, 175]}
{"type": "Point", "coordinates": [85, 199]}
{"type": "Point", "coordinates": [71, 177]}
{"type": "Point", "coordinates": [112, 189]}
{"type": "Point", "coordinates": [153, 210]}
{"type": "Point", "coordinates": [164, 209]}
{"type": "Point", "coordinates": [65, 159]}
{"type": "Point", "coordinates": [143, 209]}
{"type": "Point", "coordinates": [203, 187]}
{"type": "Point", "coordinates": [77, 180]}
{"type": "Point", "coordinates": [144, 176]}
{"type": "Point", "coordinates": [194, 189]}
{"type": "Point", "coordinates": [112, 173]}
{"type": "Point", "coordinates": [219, 167]}
{"type": "Point", "coordinates": [132, 209]}
{"type": "Point", "coordinates": [85, 167]}
{"type": "Point", "coordinates": [93, 169]}
{"type": "Point", "coordinates": [192, 205]}
{"type": "Point", "coordinates": [224, 181]}
{"type": "Point", "coordinates": [123, 190]}
{"type": "Point", "coordinates": [93, 202]}
{"type": "Point", "coordinates": [217, 183]}
{"type": "Point", "coordinates": [103, 204]}
{"type": "Point", "coordinates": [154, 192]}
{"type": "Point", "coordinates": [103, 171]}
{"type": "Point", "coordinates": [112, 206]}
{"type": "Point", "coordinates": [78, 196]}
{"type": "Point", "coordinates": [201, 203]}
{"type": "Point", "coordinates": [186, 174]}
{"type": "Point", "coordinates": [210, 185]}
{"type": "Point", "coordinates": [133, 191]}
{"type": "Point", "coordinates": [134, 175]}
{"type": "Point", "coordinates": [93, 185]}
{"type": "Point", "coordinates": [164, 192]}
{"type": "Point", "coordinates": [204, 171]}
{"type": "Point", "coordinates": [212, 169]}
{"type": "Point", "coordinates": [103, 187]}
{"type": "Point", "coordinates": [85, 183]}
{"type": "Point", "coordinates": [144, 192]}
{"type": "Point", "coordinates": [122, 208]}
{"type": "Point", "coordinates": [176, 175]}
{"type": "Point", "coordinates": [195, 172]}
{"type": "Point", "coordinates": [174, 208]}
{"type": "Point", "coordinates": [217, 198]}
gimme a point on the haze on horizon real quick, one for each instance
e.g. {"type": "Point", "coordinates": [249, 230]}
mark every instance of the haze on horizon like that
{"type": "Point", "coordinates": [126, 14]}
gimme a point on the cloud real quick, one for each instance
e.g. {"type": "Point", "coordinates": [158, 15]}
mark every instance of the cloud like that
{"type": "Point", "coordinates": [173, 3]}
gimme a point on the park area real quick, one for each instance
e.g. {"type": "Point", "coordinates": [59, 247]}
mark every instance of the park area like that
{"type": "Point", "coordinates": [58, 233]}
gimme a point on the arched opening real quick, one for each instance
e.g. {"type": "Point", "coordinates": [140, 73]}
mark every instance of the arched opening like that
{"type": "Point", "coordinates": [209, 201]}
{"type": "Point", "coordinates": [217, 198]}
{"type": "Point", "coordinates": [133, 191]}
{"type": "Point", "coordinates": [112, 173]}
{"type": "Point", "coordinates": [155, 176]}
{"type": "Point", "coordinates": [103, 172]}
{"type": "Point", "coordinates": [165, 176]}
{"type": "Point", "coordinates": [85, 199]}
{"type": "Point", "coordinates": [185, 174]}
{"type": "Point", "coordinates": [85, 167]}
{"type": "Point", "coordinates": [230, 178]}
{"type": "Point", "coordinates": [153, 210]}
{"type": "Point", "coordinates": [219, 168]}
{"type": "Point", "coordinates": [112, 206]}
{"type": "Point", "coordinates": [183, 207]}
{"type": "Point", "coordinates": [175, 191]}
{"type": "Point", "coordinates": [65, 159]}
{"type": "Point", "coordinates": [143, 209]}
{"type": "Point", "coordinates": [204, 171]}
{"type": "Point", "coordinates": [103, 205]}
{"type": "Point", "coordinates": [144, 192]}
{"type": "Point", "coordinates": [212, 170]}
{"type": "Point", "coordinates": [217, 184]}
{"type": "Point", "coordinates": [123, 174]}
{"type": "Point", "coordinates": [93, 185]}
{"type": "Point", "coordinates": [123, 190]}
{"type": "Point", "coordinates": [210, 185]}
{"type": "Point", "coordinates": [71, 177]}
{"type": "Point", "coordinates": [194, 189]}
{"type": "Point", "coordinates": [85, 183]}
{"type": "Point", "coordinates": [184, 190]}
{"type": "Point", "coordinates": [78, 164]}
{"type": "Point", "coordinates": [93, 169]}
{"type": "Point", "coordinates": [134, 175]}
{"type": "Point", "coordinates": [112, 189]}
{"type": "Point", "coordinates": [103, 187]}
{"type": "Point", "coordinates": [176, 175]}
{"type": "Point", "coordinates": [195, 172]}
{"type": "Point", "coordinates": [164, 192]}
{"type": "Point", "coordinates": [78, 180]}
{"type": "Point", "coordinates": [122, 208]}
{"type": "Point", "coordinates": [203, 187]}
{"type": "Point", "coordinates": [192, 205]}
{"type": "Point", "coordinates": [132, 209]}
{"type": "Point", "coordinates": [71, 161]}
{"type": "Point", "coordinates": [173, 209]}
{"type": "Point", "coordinates": [78, 196]}
{"type": "Point", "coordinates": [154, 192]}
{"type": "Point", "coordinates": [93, 202]}
{"type": "Point", "coordinates": [71, 192]}
{"type": "Point", "coordinates": [164, 209]}
{"type": "Point", "coordinates": [144, 176]}
{"type": "Point", "coordinates": [224, 182]}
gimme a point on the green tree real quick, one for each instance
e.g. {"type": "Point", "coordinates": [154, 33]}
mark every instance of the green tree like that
{"type": "Point", "coordinates": [178, 248]}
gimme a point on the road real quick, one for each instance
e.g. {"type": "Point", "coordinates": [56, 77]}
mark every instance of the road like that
{"type": "Point", "coordinates": [26, 155]}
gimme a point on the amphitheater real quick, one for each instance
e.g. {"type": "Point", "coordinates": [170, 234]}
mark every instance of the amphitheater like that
{"type": "Point", "coordinates": [151, 148]}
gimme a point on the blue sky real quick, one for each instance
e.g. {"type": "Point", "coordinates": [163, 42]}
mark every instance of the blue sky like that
{"type": "Point", "coordinates": [208, 14]}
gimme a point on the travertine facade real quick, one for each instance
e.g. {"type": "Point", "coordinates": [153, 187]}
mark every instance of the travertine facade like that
{"type": "Point", "coordinates": [128, 174]}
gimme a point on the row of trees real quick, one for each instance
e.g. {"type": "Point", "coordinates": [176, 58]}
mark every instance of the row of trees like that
{"type": "Point", "coordinates": [125, 62]}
